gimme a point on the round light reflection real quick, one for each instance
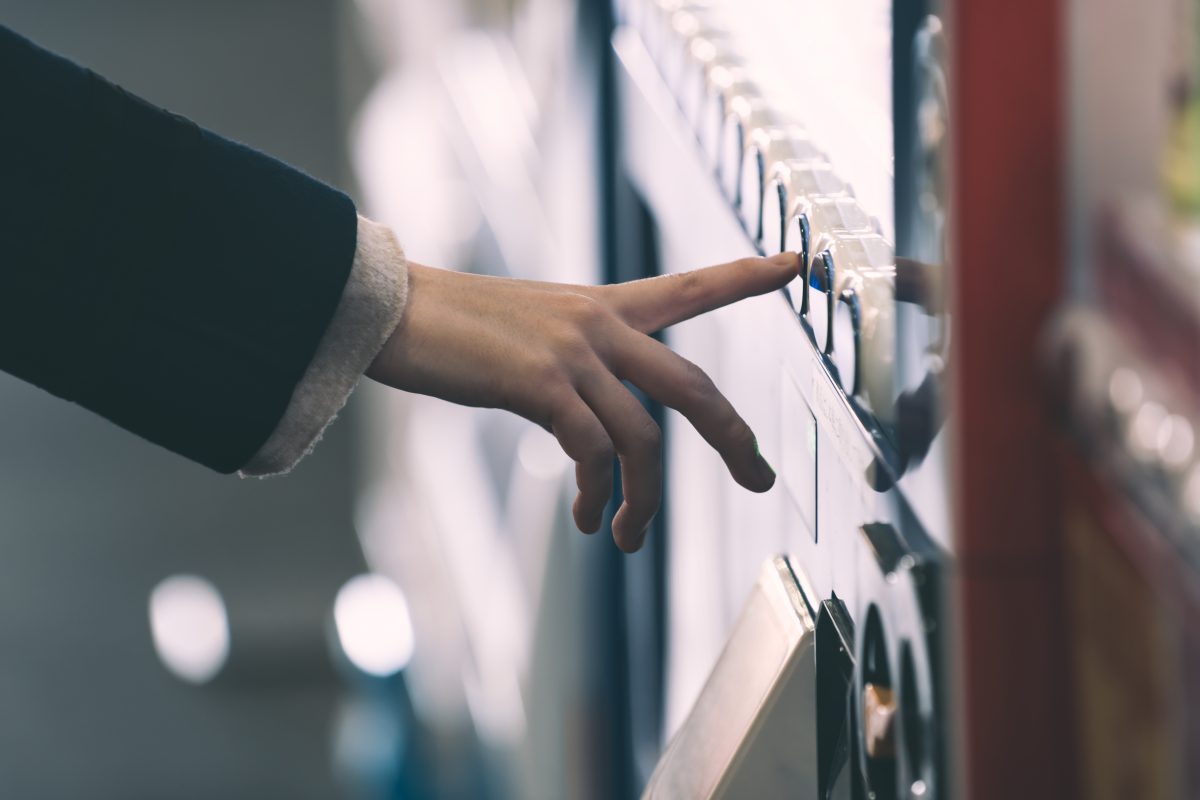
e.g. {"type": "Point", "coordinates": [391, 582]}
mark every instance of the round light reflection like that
{"type": "Point", "coordinates": [189, 627]}
{"type": "Point", "coordinates": [373, 625]}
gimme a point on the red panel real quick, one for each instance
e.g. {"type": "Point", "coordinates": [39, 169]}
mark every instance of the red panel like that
{"type": "Point", "coordinates": [1008, 243]}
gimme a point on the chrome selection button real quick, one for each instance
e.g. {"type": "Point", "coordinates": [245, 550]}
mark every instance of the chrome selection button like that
{"type": "Point", "coordinates": [687, 27]}
{"type": "Point", "coordinates": [652, 22]}
{"type": "Point", "coordinates": [819, 299]}
{"type": "Point", "coordinates": [828, 215]}
{"type": "Point", "coordinates": [796, 185]}
{"type": "Point", "coordinates": [656, 23]}
{"type": "Point", "coordinates": [805, 182]}
{"type": "Point", "coordinates": [771, 222]}
{"type": "Point", "coordinates": [845, 340]}
{"type": "Point", "coordinates": [766, 147]}
{"type": "Point", "coordinates": [822, 216]}
{"type": "Point", "coordinates": [796, 239]}
{"type": "Point", "coordinates": [744, 111]}
{"type": "Point", "coordinates": [725, 82]}
{"type": "Point", "coordinates": [705, 55]}
{"type": "Point", "coordinates": [864, 268]}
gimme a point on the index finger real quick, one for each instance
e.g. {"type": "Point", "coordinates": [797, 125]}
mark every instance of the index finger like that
{"type": "Point", "coordinates": [654, 303]}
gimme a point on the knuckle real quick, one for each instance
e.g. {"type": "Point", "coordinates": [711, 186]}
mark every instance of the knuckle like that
{"type": "Point", "coordinates": [584, 311]}
{"type": "Point", "coordinates": [548, 376]}
{"type": "Point", "coordinates": [697, 385]}
{"type": "Point", "coordinates": [743, 438]}
{"type": "Point", "coordinates": [648, 441]}
{"type": "Point", "coordinates": [570, 345]}
{"type": "Point", "coordinates": [645, 505]}
{"type": "Point", "coordinates": [599, 452]}
{"type": "Point", "coordinates": [655, 437]}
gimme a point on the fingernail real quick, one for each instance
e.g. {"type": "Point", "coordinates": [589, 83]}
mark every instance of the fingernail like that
{"type": "Point", "coordinates": [641, 540]}
{"type": "Point", "coordinates": [633, 544]}
{"type": "Point", "coordinates": [618, 530]}
{"type": "Point", "coordinates": [785, 258]}
{"type": "Point", "coordinates": [766, 472]}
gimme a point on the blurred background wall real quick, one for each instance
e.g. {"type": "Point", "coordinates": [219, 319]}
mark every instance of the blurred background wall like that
{"type": "Point", "coordinates": [91, 518]}
{"type": "Point", "coordinates": [473, 128]}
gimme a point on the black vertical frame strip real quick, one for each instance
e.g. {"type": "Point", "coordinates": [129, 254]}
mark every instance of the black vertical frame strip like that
{"type": "Point", "coordinates": [632, 628]}
{"type": "Point", "coordinates": [907, 16]}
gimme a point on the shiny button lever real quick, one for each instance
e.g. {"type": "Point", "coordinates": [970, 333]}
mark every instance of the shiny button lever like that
{"type": "Point", "coordinates": [863, 341]}
{"type": "Point", "coordinates": [691, 31]}
{"type": "Point", "coordinates": [792, 187]}
{"type": "Point", "coordinates": [705, 53]}
{"type": "Point", "coordinates": [764, 148]}
{"type": "Point", "coordinates": [724, 82]}
{"type": "Point", "coordinates": [819, 303]}
{"type": "Point", "coordinates": [744, 111]}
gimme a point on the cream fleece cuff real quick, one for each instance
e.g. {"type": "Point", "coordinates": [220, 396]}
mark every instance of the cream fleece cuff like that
{"type": "Point", "coordinates": [369, 311]}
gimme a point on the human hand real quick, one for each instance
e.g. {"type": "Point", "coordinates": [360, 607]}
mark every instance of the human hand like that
{"type": "Point", "coordinates": [557, 355]}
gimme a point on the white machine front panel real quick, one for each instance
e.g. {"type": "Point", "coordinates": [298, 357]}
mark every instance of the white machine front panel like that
{"type": "Point", "coordinates": [829, 64]}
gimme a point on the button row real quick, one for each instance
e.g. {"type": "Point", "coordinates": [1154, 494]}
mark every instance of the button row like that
{"type": "Point", "coordinates": [784, 191]}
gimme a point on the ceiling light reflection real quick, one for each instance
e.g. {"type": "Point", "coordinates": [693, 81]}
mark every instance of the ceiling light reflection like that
{"type": "Point", "coordinates": [373, 625]}
{"type": "Point", "coordinates": [189, 627]}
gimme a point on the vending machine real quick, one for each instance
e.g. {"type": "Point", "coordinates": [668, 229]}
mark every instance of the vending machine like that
{"type": "Point", "coordinates": [805, 630]}
{"type": "Point", "coordinates": [891, 621]}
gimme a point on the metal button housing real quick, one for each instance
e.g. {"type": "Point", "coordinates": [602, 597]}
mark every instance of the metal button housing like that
{"type": "Point", "coordinates": [795, 238]}
{"type": "Point", "coordinates": [819, 299]}
{"type": "Point", "coordinates": [695, 93]}
{"type": "Point", "coordinates": [864, 274]}
{"type": "Point", "coordinates": [743, 112]}
{"type": "Point", "coordinates": [724, 82]}
{"type": "Point", "coordinates": [687, 27]}
{"type": "Point", "coordinates": [772, 230]}
{"type": "Point", "coordinates": [844, 344]}
{"type": "Point", "coordinates": [655, 22]}
{"type": "Point", "coordinates": [796, 186]}
{"type": "Point", "coordinates": [764, 148]}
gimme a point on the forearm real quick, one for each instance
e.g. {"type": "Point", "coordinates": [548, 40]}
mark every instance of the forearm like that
{"type": "Point", "coordinates": [168, 279]}
{"type": "Point", "coordinates": [369, 311]}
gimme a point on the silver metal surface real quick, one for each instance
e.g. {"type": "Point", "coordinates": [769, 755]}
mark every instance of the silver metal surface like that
{"type": "Point", "coordinates": [864, 275]}
{"type": "Point", "coordinates": [744, 111]}
{"type": "Point", "coordinates": [724, 82]}
{"type": "Point", "coordinates": [764, 148]}
{"type": "Point", "coordinates": [752, 730]}
{"type": "Point", "coordinates": [705, 54]}
{"type": "Point", "coordinates": [686, 27]}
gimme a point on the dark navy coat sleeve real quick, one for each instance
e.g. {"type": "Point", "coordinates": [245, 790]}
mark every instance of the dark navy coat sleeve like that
{"type": "Point", "coordinates": [173, 281]}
